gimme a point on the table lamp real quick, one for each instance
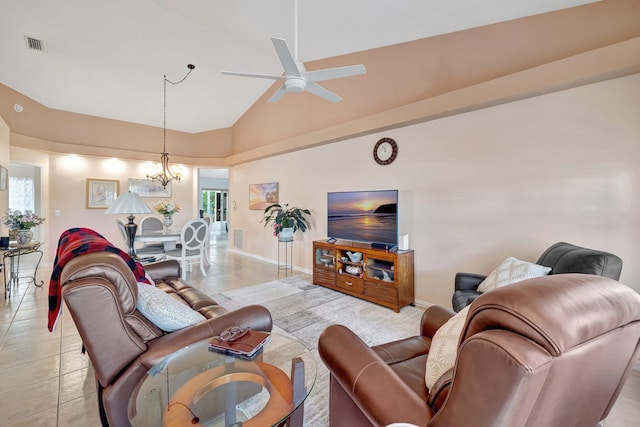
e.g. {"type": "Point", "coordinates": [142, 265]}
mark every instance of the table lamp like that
{"type": "Point", "coordinates": [129, 203]}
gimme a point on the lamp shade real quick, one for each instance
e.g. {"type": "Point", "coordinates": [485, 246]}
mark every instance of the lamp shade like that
{"type": "Point", "coordinates": [129, 203]}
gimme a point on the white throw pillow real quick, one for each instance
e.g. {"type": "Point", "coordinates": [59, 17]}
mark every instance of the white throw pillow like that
{"type": "Point", "coordinates": [163, 310]}
{"type": "Point", "coordinates": [512, 270]}
{"type": "Point", "coordinates": [444, 346]}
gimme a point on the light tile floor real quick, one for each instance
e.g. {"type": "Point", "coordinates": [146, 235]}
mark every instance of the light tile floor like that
{"type": "Point", "coordinates": [45, 381]}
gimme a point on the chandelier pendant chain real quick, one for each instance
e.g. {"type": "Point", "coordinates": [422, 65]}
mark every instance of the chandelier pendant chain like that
{"type": "Point", "coordinates": [165, 176]}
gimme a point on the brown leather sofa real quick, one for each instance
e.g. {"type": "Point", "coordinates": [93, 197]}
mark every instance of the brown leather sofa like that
{"type": "Point", "coordinates": [551, 351]}
{"type": "Point", "coordinates": [100, 292]}
{"type": "Point", "coordinates": [562, 257]}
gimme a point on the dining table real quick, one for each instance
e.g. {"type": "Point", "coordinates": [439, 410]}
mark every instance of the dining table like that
{"type": "Point", "coordinates": [168, 239]}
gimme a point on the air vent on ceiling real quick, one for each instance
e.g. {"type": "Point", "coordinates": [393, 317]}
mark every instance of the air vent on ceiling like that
{"type": "Point", "coordinates": [32, 43]}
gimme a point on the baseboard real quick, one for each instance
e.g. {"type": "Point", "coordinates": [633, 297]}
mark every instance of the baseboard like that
{"type": "Point", "coordinates": [422, 304]}
{"type": "Point", "coordinates": [269, 260]}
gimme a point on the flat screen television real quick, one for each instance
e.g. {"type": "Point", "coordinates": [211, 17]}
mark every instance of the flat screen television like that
{"type": "Point", "coordinates": [364, 216]}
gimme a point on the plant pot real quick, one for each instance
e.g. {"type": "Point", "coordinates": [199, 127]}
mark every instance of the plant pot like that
{"type": "Point", "coordinates": [286, 233]}
{"type": "Point", "coordinates": [23, 237]}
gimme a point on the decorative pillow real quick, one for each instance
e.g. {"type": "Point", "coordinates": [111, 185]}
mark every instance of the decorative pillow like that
{"type": "Point", "coordinates": [444, 346]}
{"type": "Point", "coordinates": [163, 310]}
{"type": "Point", "coordinates": [512, 270]}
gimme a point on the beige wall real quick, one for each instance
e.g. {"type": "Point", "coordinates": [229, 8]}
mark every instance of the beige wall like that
{"type": "Point", "coordinates": [65, 191]}
{"type": "Point", "coordinates": [4, 161]}
{"type": "Point", "coordinates": [508, 180]}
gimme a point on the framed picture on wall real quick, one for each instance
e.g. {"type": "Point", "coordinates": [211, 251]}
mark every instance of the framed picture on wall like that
{"type": "Point", "coordinates": [101, 193]}
{"type": "Point", "coordinates": [4, 178]}
{"type": "Point", "coordinates": [262, 195]}
{"type": "Point", "coordinates": [149, 188]}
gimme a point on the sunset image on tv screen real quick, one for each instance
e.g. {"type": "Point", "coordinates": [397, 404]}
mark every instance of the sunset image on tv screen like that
{"type": "Point", "coordinates": [369, 216]}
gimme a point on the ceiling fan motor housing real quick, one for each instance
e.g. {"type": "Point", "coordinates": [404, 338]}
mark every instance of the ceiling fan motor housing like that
{"type": "Point", "coordinates": [295, 84]}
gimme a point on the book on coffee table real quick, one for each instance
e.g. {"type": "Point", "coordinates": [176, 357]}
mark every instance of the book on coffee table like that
{"type": "Point", "coordinates": [246, 346]}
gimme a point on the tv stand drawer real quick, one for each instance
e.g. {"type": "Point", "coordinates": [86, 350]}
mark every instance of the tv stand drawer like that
{"type": "Point", "coordinates": [382, 292]}
{"type": "Point", "coordinates": [349, 283]}
{"type": "Point", "coordinates": [323, 276]}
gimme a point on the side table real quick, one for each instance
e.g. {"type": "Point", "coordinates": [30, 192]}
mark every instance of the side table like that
{"type": "Point", "coordinates": [287, 265]}
{"type": "Point", "coordinates": [12, 254]}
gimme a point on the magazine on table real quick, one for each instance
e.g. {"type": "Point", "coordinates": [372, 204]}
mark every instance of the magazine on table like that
{"type": "Point", "coordinates": [247, 345]}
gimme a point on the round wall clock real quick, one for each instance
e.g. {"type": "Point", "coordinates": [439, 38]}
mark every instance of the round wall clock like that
{"type": "Point", "coordinates": [385, 151]}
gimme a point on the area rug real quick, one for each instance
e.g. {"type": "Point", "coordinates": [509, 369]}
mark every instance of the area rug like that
{"type": "Point", "coordinates": [304, 310]}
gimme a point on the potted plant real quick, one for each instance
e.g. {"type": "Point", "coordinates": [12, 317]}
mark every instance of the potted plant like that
{"type": "Point", "coordinates": [282, 217]}
{"type": "Point", "coordinates": [20, 224]}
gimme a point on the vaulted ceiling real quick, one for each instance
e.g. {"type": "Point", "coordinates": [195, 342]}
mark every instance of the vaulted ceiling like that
{"type": "Point", "coordinates": [108, 58]}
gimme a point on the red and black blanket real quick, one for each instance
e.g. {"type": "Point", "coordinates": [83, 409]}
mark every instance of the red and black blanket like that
{"type": "Point", "coordinates": [78, 241]}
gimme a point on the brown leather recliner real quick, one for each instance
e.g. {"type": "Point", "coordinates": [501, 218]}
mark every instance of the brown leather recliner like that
{"type": "Point", "coordinates": [551, 351]}
{"type": "Point", "coordinates": [100, 292]}
{"type": "Point", "coordinates": [562, 257]}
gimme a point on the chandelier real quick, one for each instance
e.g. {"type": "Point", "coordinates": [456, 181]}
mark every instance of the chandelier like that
{"type": "Point", "coordinates": [165, 175]}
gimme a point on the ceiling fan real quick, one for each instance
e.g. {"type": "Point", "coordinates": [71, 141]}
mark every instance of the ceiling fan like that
{"type": "Point", "coordinates": [296, 78]}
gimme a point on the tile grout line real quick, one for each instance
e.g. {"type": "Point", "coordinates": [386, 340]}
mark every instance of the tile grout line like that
{"type": "Point", "coordinates": [13, 316]}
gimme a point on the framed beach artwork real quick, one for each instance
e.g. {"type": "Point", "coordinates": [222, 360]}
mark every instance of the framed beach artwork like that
{"type": "Point", "coordinates": [101, 193]}
{"type": "Point", "coordinates": [149, 188]}
{"type": "Point", "coordinates": [262, 195]}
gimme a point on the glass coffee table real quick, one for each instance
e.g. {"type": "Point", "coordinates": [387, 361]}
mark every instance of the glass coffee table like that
{"type": "Point", "coordinates": [197, 386]}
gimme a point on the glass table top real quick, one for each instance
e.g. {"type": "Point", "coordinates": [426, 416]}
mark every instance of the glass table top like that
{"type": "Point", "coordinates": [196, 385]}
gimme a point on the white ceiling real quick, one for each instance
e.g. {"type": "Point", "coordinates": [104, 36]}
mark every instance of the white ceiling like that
{"type": "Point", "coordinates": [108, 58]}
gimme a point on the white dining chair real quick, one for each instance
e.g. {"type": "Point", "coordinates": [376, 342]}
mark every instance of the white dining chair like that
{"type": "Point", "coordinates": [193, 237]}
{"type": "Point", "coordinates": [123, 233]}
{"type": "Point", "coordinates": [150, 223]}
{"type": "Point", "coordinates": [207, 242]}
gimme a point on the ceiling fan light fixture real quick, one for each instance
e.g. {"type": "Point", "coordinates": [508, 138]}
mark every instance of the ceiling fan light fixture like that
{"type": "Point", "coordinates": [295, 84]}
{"type": "Point", "coordinates": [296, 78]}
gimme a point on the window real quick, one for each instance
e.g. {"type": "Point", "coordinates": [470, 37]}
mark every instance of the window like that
{"type": "Point", "coordinates": [22, 194]}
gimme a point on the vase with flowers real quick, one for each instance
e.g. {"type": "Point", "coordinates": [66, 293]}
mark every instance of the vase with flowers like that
{"type": "Point", "coordinates": [286, 220]}
{"type": "Point", "coordinates": [167, 208]}
{"type": "Point", "coordinates": [20, 225]}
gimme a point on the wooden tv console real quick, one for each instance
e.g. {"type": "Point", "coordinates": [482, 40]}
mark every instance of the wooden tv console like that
{"type": "Point", "coordinates": [383, 277]}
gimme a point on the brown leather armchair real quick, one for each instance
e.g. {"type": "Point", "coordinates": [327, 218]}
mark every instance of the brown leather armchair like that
{"type": "Point", "coordinates": [100, 292]}
{"type": "Point", "coordinates": [551, 351]}
{"type": "Point", "coordinates": [562, 257]}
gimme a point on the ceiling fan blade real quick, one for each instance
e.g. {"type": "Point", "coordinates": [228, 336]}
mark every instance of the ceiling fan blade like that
{"type": "Point", "coordinates": [286, 59]}
{"type": "Point", "coordinates": [335, 73]}
{"type": "Point", "coordinates": [260, 76]}
{"type": "Point", "coordinates": [279, 94]}
{"type": "Point", "coordinates": [322, 92]}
